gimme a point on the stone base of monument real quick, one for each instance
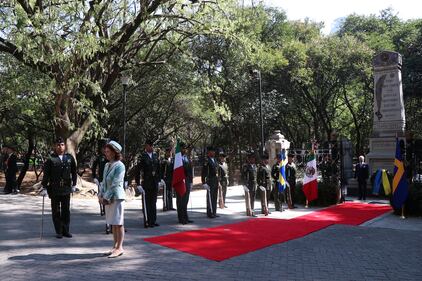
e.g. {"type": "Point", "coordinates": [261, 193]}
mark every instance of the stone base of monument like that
{"type": "Point", "coordinates": [382, 154]}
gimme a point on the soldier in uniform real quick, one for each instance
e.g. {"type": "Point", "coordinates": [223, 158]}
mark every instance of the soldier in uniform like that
{"type": "Point", "coordinates": [147, 177]}
{"type": "Point", "coordinates": [210, 181]}
{"type": "Point", "coordinates": [182, 201]}
{"type": "Point", "coordinates": [223, 176]}
{"type": "Point", "coordinates": [278, 195]}
{"type": "Point", "coordinates": [249, 178]}
{"type": "Point", "coordinates": [59, 181]}
{"type": "Point", "coordinates": [167, 165]}
{"type": "Point", "coordinates": [97, 173]}
{"type": "Point", "coordinates": [291, 179]}
{"type": "Point", "coordinates": [10, 172]}
{"type": "Point", "coordinates": [264, 180]}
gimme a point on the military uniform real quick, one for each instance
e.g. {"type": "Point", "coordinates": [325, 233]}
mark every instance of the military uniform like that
{"type": "Point", "coordinates": [149, 167]}
{"type": "Point", "coordinates": [278, 195]}
{"type": "Point", "coordinates": [291, 179]}
{"type": "Point", "coordinates": [264, 179]}
{"type": "Point", "coordinates": [249, 178]}
{"type": "Point", "coordinates": [209, 176]}
{"type": "Point", "coordinates": [182, 201]}
{"type": "Point", "coordinates": [98, 167]}
{"type": "Point", "coordinates": [10, 173]}
{"type": "Point", "coordinates": [223, 179]}
{"type": "Point", "coordinates": [59, 177]}
{"type": "Point", "coordinates": [97, 173]}
{"type": "Point", "coordinates": [167, 165]}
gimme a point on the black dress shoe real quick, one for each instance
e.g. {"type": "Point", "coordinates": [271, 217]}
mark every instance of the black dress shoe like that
{"type": "Point", "coordinates": [216, 216]}
{"type": "Point", "coordinates": [189, 221]}
{"type": "Point", "coordinates": [210, 216]}
{"type": "Point", "coordinates": [183, 222]}
{"type": "Point", "coordinates": [156, 224]}
{"type": "Point", "coordinates": [145, 225]}
{"type": "Point", "coordinates": [68, 235]}
{"type": "Point", "coordinates": [59, 236]}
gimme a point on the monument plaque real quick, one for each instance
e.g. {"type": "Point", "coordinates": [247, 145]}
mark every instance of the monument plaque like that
{"type": "Point", "coordinates": [388, 115]}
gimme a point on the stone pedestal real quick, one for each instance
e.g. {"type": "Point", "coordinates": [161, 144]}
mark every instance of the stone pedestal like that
{"type": "Point", "coordinates": [274, 145]}
{"type": "Point", "coordinates": [389, 117]}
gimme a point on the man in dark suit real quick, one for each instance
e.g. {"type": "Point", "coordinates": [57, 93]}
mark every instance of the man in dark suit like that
{"type": "Point", "coordinates": [147, 178]}
{"type": "Point", "coordinates": [182, 201]}
{"type": "Point", "coordinates": [210, 181]}
{"type": "Point", "coordinates": [60, 181]}
{"type": "Point", "coordinates": [166, 170]}
{"type": "Point", "coordinates": [11, 170]}
{"type": "Point", "coordinates": [249, 179]}
{"type": "Point", "coordinates": [362, 175]}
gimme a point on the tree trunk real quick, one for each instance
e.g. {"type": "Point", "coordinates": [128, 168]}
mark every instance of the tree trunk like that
{"type": "Point", "coordinates": [31, 145]}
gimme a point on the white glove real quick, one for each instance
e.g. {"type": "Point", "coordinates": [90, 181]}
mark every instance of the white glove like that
{"type": "Point", "coordinates": [261, 187]}
{"type": "Point", "coordinates": [43, 192]}
{"type": "Point", "coordinates": [140, 189]}
{"type": "Point", "coordinates": [162, 183]}
{"type": "Point", "coordinates": [245, 188]}
{"type": "Point", "coordinates": [96, 182]}
{"type": "Point", "coordinates": [74, 189]}
{"type": "Point", "coordinates": [206, 186]}
{"type": "Point", "coordinates": [125, 184]}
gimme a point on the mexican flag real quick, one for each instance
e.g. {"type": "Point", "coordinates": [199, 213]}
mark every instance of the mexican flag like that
{"type": "Point", "coordinates": [310, 183]}
{"type": "Point", "coordinates": [178, 181]}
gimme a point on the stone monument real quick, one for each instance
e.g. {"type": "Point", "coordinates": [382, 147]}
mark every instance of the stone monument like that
{"type": "Point", "coordinates": [388, 115]}
{"type": "Point", "coordinates": [275, 144]}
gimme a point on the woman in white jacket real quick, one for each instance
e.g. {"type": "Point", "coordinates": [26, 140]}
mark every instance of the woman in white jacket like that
{"type": "Point", "coordinates": [112, 195]}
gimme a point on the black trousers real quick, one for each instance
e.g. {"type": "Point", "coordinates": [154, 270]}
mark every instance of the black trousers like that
{"type": "Point", "coordinates": [182, 205]}
{"type": "Point", "coordinates": [362, 190]}
{"type": "Point", "coordinates": [11, 184]}
{"type": "Point", "coordinates": [224, 188]}
{"type": "Point", "coordinates": [168, 196]}
{"type": "Point", "coordinates": [213, 193]}
{"type": "Point", "coordinates": [151, 201]}
{"type": "Point", "coordinates": [60, 211]}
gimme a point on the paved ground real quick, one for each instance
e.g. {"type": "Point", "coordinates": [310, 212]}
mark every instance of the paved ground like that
{"type": "Point", "coordinates": [386, 248]}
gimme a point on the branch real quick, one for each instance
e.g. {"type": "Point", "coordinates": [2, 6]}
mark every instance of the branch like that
{"type": "Point", "coordinates": [26, 7]}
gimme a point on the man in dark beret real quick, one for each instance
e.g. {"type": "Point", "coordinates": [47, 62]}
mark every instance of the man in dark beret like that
{"type": "Point", "coordinates": [166, 170]}
{"type": "Point", "coordinates": [60, 181]}
{"type": "Point", "coordinates": [182, 201]}
{"type": "Point", "coordinates": [249, 180]}
{"type": "Point", "coordinates": [291, 179]}
{"type": "Point", "coordinates": [210, 181]}
{"type": "Point", "coordinates": [11, 170]}
{"type": "Point", "coordinates": [265, 183]}
{"type": "Point", "coordinates": [147, 177]}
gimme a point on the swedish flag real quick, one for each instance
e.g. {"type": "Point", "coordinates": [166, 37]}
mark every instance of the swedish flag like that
{"type": "Point", "coordinates": [400, 184]}
{"type": "Point", "coordinates": [282, 174]}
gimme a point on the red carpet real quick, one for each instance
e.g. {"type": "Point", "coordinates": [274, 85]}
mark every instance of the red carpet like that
{"type": "Point", "coordinates": [348, 213]}
{"type": "Point", "coordinates": [230, 240]}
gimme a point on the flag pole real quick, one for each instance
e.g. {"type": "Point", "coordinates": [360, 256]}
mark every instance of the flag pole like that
{"type": "Point", "coordinates": [402, 213]}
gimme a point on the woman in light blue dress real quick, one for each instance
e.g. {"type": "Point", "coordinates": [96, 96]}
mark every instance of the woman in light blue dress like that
{"type": "Point", "coordinates": [112, 195]}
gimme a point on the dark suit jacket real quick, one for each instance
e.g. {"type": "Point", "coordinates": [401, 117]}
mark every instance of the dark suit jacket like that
{"type": "Point", "coordinates": [11, 167]}
{"type": "Point", "coordinates": [362, 172]}
{"type": "Point", "coordinates": [149, 170]}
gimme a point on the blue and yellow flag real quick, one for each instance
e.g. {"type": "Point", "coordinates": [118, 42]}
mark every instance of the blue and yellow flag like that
{"type": "Point", "coordinates": [282, 174]}
{"type": "Point", "coordinates": [400, 185]}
